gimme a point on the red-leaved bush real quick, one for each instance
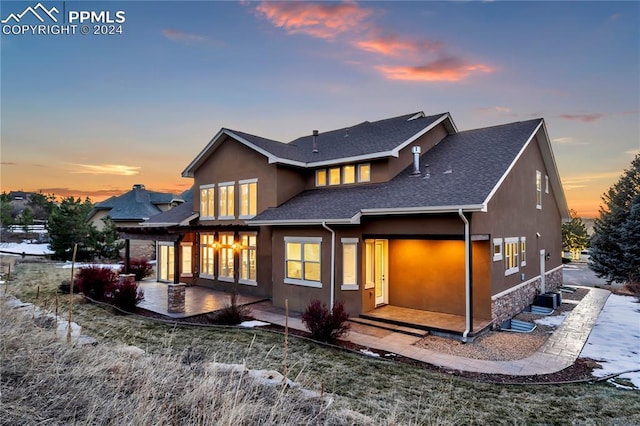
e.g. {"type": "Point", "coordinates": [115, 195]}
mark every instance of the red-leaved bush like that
{"type": "Point", "coordinates": [140, 267]}
{"type": "Point", "coordinates": [124, 294]}
{"type": "Point", "coordinates": [94, 280]}
{"type": "Point", "coordinates": [325, 325]}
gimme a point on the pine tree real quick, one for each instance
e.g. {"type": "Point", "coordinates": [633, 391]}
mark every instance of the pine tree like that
{"type": "Point", "coordinates": [613, 236]}
{"type": "Point", "coordinates": [68, 226]}
{"type": "Point", "coordinates": [574, 235]}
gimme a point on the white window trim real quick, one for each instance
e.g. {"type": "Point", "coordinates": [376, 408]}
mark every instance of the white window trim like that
{"type": "Point", "coordinates": [523, 255]}
{"type": "Point", "coordinates": [350, 286]}
{"type": "Point", "coordinates": [538, 179]}
{"type": "Point", "coordinates": [188, 274]}
{"type": "Point", "coordinates": [302, 282]}
{"type": "Point", "coordinates": [516, 268]}
{"type": "Point", "coordinates": [329, 176]}
{"type": "Point", "coordinates": [240, 183]}
{"type": "Point", "coordinates": [243, 280]}
{"type": "Point", "coordinates": [497, 242]}
{"type": "Point", "coordinates": [200, 274]}
{"type": "Point", "coordinates": [227, 184]}
{"type": "Point", "coordinates": [343, 174]}
{"type": "Point", "coordinates": [326, 177]}
{"type": "Point", "coordinates": [208, 186]}
{"type": "Point", "coordinates": [360, 175]}
{"type": "Point", "coordinates": [219, 255]}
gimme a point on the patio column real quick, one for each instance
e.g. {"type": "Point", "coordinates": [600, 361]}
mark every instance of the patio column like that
{"type": "Point", "coordinates": [127, 255]}
{"type": "Point", "coordinates": [176, 261]}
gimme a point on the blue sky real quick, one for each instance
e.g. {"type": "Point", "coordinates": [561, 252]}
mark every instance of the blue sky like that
{"type": "Point", "coordinates": [93, 114]}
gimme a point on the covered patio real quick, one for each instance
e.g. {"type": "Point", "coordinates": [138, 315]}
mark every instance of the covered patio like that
{"type": "Point", "coordinates": [435, 322]}
{"type": "Point", "coordinates": [198, 300]}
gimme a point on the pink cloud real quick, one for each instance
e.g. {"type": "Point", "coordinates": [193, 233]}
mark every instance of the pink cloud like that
{"type": "Point", "coordinates": [585, 118]}
{"type": "Point", "coordinates": [445, 69]}
{"type": "Point", "coordinates": [392, 45]}
{"type": "Point", "coordinates": [321, 20]}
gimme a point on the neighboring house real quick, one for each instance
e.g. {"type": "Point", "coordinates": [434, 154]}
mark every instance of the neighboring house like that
{"type": "Point", "coordinates": [130, 209]}
{"type": "Point", "coordinates": [407, 212]}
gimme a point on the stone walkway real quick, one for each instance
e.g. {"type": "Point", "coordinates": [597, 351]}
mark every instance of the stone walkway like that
{"type": "Point", "coordinates": [559, 352]}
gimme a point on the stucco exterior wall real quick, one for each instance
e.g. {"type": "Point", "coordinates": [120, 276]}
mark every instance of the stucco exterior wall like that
{"type": "Point", "coordinates": [512, 212]}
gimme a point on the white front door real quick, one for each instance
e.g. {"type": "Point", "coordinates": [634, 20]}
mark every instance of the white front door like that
{"type": "Point", "coordinates": [543, 286]}
{"type": "Point", "coordinates": [380, 267]}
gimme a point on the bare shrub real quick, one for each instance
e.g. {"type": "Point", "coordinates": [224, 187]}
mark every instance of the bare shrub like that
{"type": "Point", "coordinates": [232, 314]}
{"type": "Point", "coordinates": [325, 325]}
{"type": "Point", "coordinates": [94, 281]}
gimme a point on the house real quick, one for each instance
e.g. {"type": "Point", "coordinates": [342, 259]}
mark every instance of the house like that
{"type": "Point", "coordinates": [130, 209]}
{"type": "Point", "coordinates": [406, 213]}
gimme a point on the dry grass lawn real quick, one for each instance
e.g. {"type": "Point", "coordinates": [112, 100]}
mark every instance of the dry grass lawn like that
{"type": "Point", "coordinates": [46, 381]}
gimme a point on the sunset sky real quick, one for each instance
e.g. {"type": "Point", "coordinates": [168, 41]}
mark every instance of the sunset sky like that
{"type": "Point", "coordinates": [91, 115]}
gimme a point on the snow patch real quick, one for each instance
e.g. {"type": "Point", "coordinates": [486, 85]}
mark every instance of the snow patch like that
{"type": "Point", "coordinates": [615, 339]}
{"type": "Point", "coordinates": [552, 320]}
{"type": "Point", "coordinates": [67, 265]}
{"type": "Point", "coordinates": [26, 248]}
{"type": "Point", "coordinates": [251, 324]}
{"type": "Point", "coordinates": [367, 352]}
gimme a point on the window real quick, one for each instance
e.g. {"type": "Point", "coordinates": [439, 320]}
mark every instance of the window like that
{"type": "Point", "coordinates": [225, 269]}
{"type": "Point", "coordinates": [225, 202]}
{"type": "Point", "coordinates": [302, 261]}
{"type": "Point", "coordinates": [206, 201]}
{"type": "Point", "coordinates": [334, 176]}
{"type": "Point", "coordinates": [165, 259]}
{"type": "Point", "coordinates": [349, 264]}
{"type": "Point", "coordinates": [510, 255]}
{"type": "Point", "coordinates": [248, 259]}
{"type": "Point", "coordinates": [186, 256]}
{"type": "Point", "coordinates": [523, 251]}
{"type": "Point", "coordinates": [349, 174]}
{"type": "Point", "coordinates": [321, 177]}
{"type": "Point", "coordinates": [546, 184]}
{"type": "Point", "coordinates": [207, 249]}
{"type": "Point", "coordinates": [364, 172]}
{"type": "Point", "coordinates": [497, 249]}
{"type": "Point", "coordinates": [538, 189]}
{"type": "Point", "coordinates": [248, 198]}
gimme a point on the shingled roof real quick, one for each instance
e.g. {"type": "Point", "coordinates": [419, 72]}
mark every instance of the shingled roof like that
{"type": "Point", "coordinates": [364, 141]}
{"type": "Point", "coordinates": [175, 216]}
{"type": "Point", "coordinates": [136, 204]}
{"type": "Point", "coordinates": [463, 171]}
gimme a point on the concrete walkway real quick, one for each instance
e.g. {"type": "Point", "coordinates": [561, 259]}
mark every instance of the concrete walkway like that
{"type": "Point", "coordinates": [559, 352]}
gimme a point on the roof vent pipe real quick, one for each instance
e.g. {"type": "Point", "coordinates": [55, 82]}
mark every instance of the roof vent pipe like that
{"type": "Point", "coordinates": [416, 161]}
{"type": "Point", "coordinates": [315, 142]}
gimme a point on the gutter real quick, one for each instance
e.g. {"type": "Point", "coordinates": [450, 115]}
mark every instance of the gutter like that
{"type": "Point", "coordinates": [467, 277]}
{"type": "Point", "coordinates": [333, 263]}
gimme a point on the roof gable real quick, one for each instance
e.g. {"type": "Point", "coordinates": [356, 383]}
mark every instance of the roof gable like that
{"type": "Point", "coordinates": [364, 141]}
{"type": "Point", "coordinates": [463, 171]}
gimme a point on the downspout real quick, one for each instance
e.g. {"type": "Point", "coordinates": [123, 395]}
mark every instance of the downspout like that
{"type": "Point", "coordinates": [467, 276]}
{"type": "Point", "coordinates": [333, 263]}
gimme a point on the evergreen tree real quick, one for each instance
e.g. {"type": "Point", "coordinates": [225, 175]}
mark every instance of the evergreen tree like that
{"type": "Point", "coordinates": [6, 218]}
{"type": "Point", "coordinates": [41, 205]}
{"type": "Point", "coordinates": [68, 225]}
{"type": "Point", "coordinates": [108, 245]}
{"type": "Point", "coordinates": [613, 237]}
{"type": "Point", "coordinates": [574, 236]}
{"type": "Point", "coordinates": [26, 219]}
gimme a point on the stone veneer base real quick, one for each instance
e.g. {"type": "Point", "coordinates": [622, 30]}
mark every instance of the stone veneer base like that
{"type": "Point", "coordinates": [507, 306]}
